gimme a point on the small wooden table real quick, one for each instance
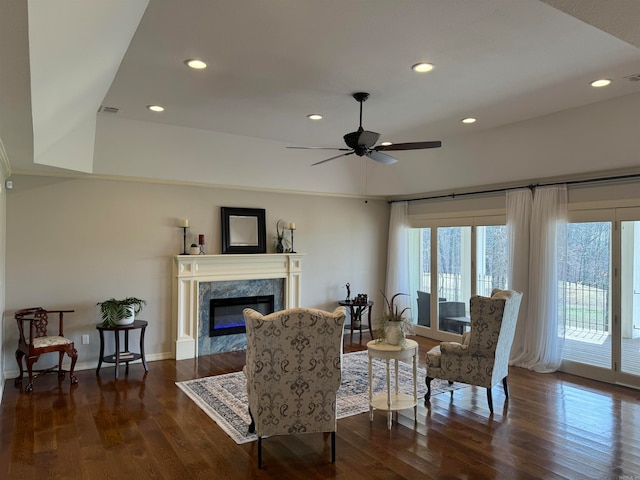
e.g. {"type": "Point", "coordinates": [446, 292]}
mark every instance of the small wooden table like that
{"type": "Point", "coordinates": [396, 401]}
{"type": "Point", "coordinates": [356, 310]}
{"type": "Point", "coordinates": [459, 324]}
{"type": "Point", "coordinates": [125, 356]}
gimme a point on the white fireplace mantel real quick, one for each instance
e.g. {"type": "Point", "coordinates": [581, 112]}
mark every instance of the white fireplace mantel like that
{"type": "Point", "coordinates": [190, 270]}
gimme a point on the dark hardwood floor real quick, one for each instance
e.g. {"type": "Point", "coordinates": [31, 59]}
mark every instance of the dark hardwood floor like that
{"type": "Point", "coordinates": [143, 426]}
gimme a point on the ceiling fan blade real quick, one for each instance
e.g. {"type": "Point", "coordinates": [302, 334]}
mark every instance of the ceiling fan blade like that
{"type": "Point", "coordinates": [333, 158]}
{"type": "Point", "coordinates": [408, 146]}
{"type": "Point", "coordinates": [323, 148]}
{"type": "Point", "coordinates": [381, 157]}
{"type": "Point", "coordinates": [368, 139]}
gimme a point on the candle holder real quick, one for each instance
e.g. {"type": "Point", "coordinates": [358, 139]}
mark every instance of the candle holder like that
{"type": "Point", "coordinates": [292, 230]}
{"type": "Point", "coordinates": [184, 240]}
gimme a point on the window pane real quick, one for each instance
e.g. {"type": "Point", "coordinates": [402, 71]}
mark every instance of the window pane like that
{"type": "Point", "coordinates": [492, 258]}
{"type": "Point", "coordinates": [454, 278]}
{"type": "Point", "coordinates": [585, 295]}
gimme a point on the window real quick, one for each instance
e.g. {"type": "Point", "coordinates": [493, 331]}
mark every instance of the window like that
{"type": "Point", "coordinates": [457, 256]}
{"type": "Point", "coordinates": [454, 278]}
{"type": "Point", "coordinates": [492, 258]}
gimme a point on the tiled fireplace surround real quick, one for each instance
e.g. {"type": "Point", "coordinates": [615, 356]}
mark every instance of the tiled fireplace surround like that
{"type": "Point", "coordinates": [198, 278]}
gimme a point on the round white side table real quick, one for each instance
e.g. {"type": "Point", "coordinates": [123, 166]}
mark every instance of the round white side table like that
{"type": "Point", "coordinates": [393, 401]}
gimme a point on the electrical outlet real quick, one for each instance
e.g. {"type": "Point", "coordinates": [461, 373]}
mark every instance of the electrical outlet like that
{"type": "Point", "coordinates": [85, 339]}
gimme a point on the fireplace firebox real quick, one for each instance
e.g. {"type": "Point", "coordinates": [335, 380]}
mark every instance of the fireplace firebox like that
{"type": "Point", "coordinates": [226, 313]}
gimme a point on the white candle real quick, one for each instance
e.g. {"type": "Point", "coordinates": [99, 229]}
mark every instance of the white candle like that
{"type": "Point", "coordinates": [184, 222]}
{"type": "Point", "coordinates": [292, 226]}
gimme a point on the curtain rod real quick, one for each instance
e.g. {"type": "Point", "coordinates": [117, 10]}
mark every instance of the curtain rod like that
{"type": "Point", "coordinates": [531, 186]}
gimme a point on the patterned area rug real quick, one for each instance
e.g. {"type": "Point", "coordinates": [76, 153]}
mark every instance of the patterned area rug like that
{"type": "Point", "coordinates": [224, 397]}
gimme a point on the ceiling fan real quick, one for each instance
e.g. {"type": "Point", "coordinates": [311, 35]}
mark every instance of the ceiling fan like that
{"type": "Point", "coordinates": [361, 142]}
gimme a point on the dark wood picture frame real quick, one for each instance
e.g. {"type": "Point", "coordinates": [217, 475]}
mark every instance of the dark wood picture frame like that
{"type": "Point", "coordinates": [243, 230]}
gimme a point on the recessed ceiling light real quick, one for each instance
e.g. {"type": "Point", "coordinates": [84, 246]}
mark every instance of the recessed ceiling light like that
{"type": "Point", "coordinates": [603, 82]}
{"type": "Point", "coordinates": [469, 120]}
{"type": "Point", "coordinates": [422, 67]}
{"type": "Point", "coordinates": [386, 144]}
{"type": "Point", "coordinates": [155, 108]}
{"type": "Point", "coordinates": [195, 63]}
{"type": "Point", "coordinates": [314, 116]}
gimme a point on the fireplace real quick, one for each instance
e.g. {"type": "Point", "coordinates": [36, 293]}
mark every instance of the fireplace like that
{"type": "Point", "coordinates": [226, 313]}
{"type": "Point", "coordinates": [200, 278]}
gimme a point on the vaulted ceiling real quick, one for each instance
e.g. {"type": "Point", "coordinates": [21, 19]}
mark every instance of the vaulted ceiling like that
{"type": "Point", "coordinates": [76, 79]}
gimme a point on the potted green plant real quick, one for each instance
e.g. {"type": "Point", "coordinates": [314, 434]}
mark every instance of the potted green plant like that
{"type": "Point", "coordinates": [394, 326]}
{"type": "Point", "coordinates": [120, 312]}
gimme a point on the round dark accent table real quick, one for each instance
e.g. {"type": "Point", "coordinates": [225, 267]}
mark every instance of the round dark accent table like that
{"type": "Point", "coordinates": [357, 310]}
{"type": "Point", "coordinates": [125, 356]}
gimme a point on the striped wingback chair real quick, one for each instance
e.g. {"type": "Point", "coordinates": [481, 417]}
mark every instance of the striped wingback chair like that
{"type": "Point", "coordinates": [293, 371]}
{"type": "Point", "coordinates": [482, 358]}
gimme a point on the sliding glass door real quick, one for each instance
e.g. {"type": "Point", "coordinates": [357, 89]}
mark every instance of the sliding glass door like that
{"type": "Point", "coordinates": [628, 349]}
{"type": "Point", "coordinates": [602, 296]}
{"type": "Point", "coordinates": [586, 296]}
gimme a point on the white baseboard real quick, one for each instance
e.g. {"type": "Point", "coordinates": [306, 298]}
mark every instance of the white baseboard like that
{"type": "Point", "coordinates": [11, 374]}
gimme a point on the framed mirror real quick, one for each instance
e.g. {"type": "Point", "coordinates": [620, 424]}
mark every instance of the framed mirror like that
{"type": "Point", "coordinates": [243, 230]}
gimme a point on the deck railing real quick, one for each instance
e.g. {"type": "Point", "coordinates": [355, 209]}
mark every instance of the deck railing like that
{"type": "Point", "coordinates": [586, 307]}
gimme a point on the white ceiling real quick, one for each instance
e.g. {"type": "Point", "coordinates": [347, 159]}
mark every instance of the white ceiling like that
{"type": "Point", "coordinates": [272, 62]}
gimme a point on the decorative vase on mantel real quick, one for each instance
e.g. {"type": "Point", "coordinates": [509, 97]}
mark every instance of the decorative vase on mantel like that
{"type": "Point", "coordinates": [279, 246]}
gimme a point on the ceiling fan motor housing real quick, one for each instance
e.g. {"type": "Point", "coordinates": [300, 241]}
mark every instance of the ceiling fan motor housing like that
{"type": "Point", "coordinates": [351, 139]}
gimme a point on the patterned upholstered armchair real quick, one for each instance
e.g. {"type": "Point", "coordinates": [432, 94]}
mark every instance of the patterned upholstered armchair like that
{"type": "Point", "coordinates": [482, 359]}
{"type": "Point", "coordinates": [293, 372]}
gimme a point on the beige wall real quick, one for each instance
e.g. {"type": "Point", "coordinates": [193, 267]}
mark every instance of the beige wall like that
{"type": "Point", "coordinates": [72, 242]}
{"type": "Point", "coordinates": [6, 320]}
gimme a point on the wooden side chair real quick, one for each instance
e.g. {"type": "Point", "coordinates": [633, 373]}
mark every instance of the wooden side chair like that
{"type": "Point", "coordinates": [35, 340]}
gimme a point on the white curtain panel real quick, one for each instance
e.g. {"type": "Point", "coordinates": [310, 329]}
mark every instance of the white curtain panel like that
{"type": "Point", "coordinates": [398, 257]}
{"type": "Point", "coordinates": [519, 205]}
{"type": "Point", "coordinates": [543, 335]}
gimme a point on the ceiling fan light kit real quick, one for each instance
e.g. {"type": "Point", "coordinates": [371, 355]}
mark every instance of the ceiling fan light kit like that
{"type": "Point", "coordinates": [362, 142]}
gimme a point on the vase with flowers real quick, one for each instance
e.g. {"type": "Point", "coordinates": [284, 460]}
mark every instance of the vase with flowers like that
{"type": "Point", "coordinates": [394, 326]}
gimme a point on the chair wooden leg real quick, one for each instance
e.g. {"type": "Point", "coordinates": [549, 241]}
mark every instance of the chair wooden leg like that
{"type": "Point", "coordinates": [252, 426]}
{"type": "Point", "coordinates": [73, 354]}
{"type": "Point", "coordinates": [30, 361]}
{"type": "Point", "coordinates": [427, 395]}
{"type": "Point", "coordinates": [19, 355]}
{"type": "Point", "coordinates": [506, 388]}
{"type": "Point", "coordinates": [333, 447]}
{"type": "Point", "coordinates": [490, 400]}
{"type": "Point", "coordinates": [60, 371]}
{"type": "Point", "coordinates": [259, 452]}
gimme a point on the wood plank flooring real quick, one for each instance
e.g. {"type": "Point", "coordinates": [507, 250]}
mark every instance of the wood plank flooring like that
{"type": "Point", "coordinates": [143, 427]}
